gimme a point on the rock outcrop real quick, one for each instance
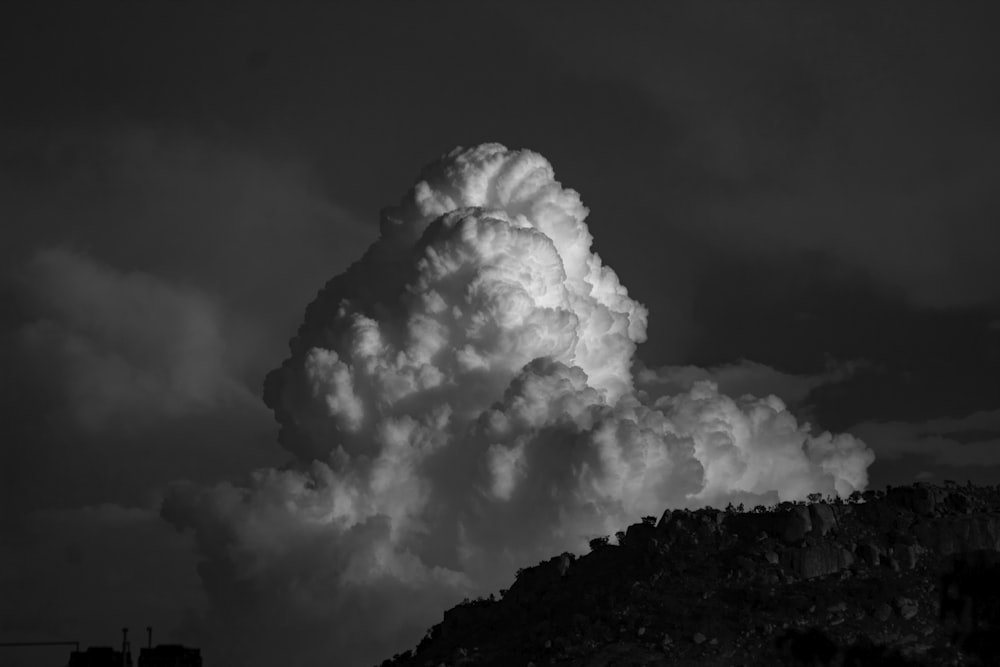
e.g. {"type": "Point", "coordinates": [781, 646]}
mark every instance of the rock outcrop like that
{"type": "Point", "coordinates": [908, 576]}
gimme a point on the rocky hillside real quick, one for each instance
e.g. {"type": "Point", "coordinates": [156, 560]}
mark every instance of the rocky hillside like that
{"type": "Point", "coordinates": [910, 576]}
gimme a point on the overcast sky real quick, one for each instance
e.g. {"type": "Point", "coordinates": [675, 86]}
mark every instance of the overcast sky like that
{"type": "Point", "coordinates": [803, 196]}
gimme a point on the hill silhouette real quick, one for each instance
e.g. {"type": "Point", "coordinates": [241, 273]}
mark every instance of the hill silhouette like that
{"type": "Point", "coordinates": [905, 576]}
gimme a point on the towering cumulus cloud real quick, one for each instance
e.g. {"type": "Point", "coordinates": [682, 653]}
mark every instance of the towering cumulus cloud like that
{"type": "Point", "coordinates": [460, 403]}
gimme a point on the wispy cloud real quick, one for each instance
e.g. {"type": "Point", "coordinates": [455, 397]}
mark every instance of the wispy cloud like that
{"type": "Point", "coordinates": [126, 346]}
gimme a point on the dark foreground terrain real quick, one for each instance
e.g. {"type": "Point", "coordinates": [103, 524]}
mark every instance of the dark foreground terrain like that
{"type": "Point", "coordinates": [910, 576]}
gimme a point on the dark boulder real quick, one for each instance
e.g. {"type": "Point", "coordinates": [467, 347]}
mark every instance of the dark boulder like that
{"type": "Point", "coordinates": [813, 561]}
{"type": "Point", "coordinates": [641, 536]}
{"type": "Point", "coordinates": [823, 519]}
{"type": "Point", "coordinates": [795, 524]}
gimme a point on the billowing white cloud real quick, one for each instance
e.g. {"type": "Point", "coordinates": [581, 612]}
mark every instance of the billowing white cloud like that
{"type": "Point", "coordinates": [461, 403]}
{"type": "Point", "coordinates": [483, 267]}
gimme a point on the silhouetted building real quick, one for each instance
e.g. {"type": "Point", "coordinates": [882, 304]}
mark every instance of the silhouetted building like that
{"type": "Point", "coordinates": [169, 655]}
{"type": "Point", "coordinates": [103, 656]}
{"type": "Point", "coordinates": [161, 655]}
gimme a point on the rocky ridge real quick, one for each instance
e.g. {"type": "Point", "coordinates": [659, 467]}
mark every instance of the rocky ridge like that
{"type": "Point", "coordinates": [908, 576]}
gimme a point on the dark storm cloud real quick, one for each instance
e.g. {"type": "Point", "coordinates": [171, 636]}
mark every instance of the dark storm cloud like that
{"type": "Point", "coordinates": [866, 132]}
{"type": "Point", "coordinates": [971, 440]}
{"type": "Point", "coordinates": [794, 313]}
{"type": "Point", "coordinates": [943, 448]}
{"type": "Point", "coordinates": [766, 129]}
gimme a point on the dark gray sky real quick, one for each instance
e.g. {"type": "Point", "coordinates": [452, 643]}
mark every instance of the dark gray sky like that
{"type": "Point", "coordinates": [810, 187]}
